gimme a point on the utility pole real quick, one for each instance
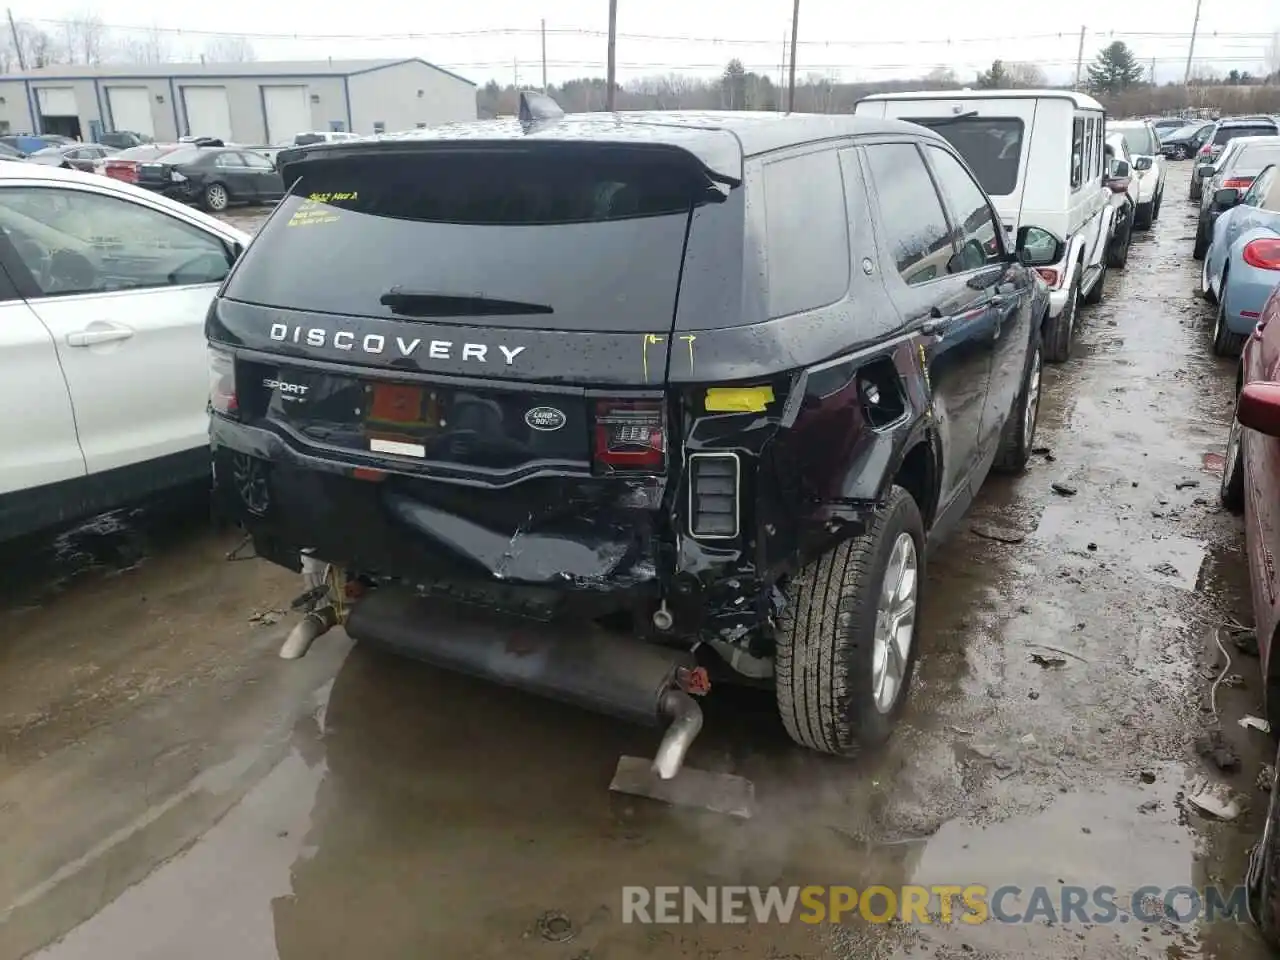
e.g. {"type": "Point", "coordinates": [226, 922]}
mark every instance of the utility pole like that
{"type": "Point", "coordinates": [515, 74]}
{"type": "Point", "coordinates": [1195, 26]}
{"type": "Point", "coordinates": [1153, 71]}
{"type": "Point", "coordinates": [544, 56]}
{"type": "Point", "coordinates": [612, 73]}
{"type": "Point", "coordinates": [1079, 58]}
{"type": "Point", "coordinates": [17, 44]}
{"type": "Point", "coordinates": [791, 79]}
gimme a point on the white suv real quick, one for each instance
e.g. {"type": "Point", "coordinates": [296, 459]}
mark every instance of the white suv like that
{"type": "Point", "coordinates": [1148, 167]}
{"type": "Point", "coordinates": [1039, 155]}
{"type": "Point", "coordinates": [103, 293]}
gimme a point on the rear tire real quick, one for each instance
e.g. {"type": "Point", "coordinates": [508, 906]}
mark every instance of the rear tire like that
{"type": "Point", "coordinates": [1118, 249]}
{"type": "Point", "coordinates": [1232, 491]}
{"type": "Point", "coordinates": [1202, 240]}
{"type": "Point", "coordinates": [1195, 191]}
{"type": "Point", "coordinates": [1094, 296]}
{"type": "Point", "coordinates": [1020, 431]}
{"type": "Point", "coordinates": [1155, 210]}
{"type": "Point", "coordinates": [1206, 290]}
{"type": "Point", "coordinates": [1225, 343]}
{"type": "Point", "coordinates": [1144, 215]}
{"type": "Point", "coordinates": [216, 198]}
{"type": "Point", "coordinates": [826, 647]}
{"type": "Point", "coordinates": [1060, 331]}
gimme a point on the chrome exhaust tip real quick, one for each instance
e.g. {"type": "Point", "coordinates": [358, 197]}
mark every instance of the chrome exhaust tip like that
{"type": "Point", "coordinates": [686, 722]}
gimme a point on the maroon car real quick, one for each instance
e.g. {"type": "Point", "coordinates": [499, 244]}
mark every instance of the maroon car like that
{"type": "Point", "coordinates": [1251, 484]}
{"type": "Point", "coordinates": [73, 156]}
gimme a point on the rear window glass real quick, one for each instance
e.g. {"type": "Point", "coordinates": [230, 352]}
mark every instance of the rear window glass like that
{"type": "Point", "coordinates": [558, 239]}
{"type": "Point", "coordinates": [1227, 134]}
{"type": "Point", "coordinates": [1251, 158]}
{"type": "Point", "coordinates": [992, 146]}
{"type": "Point", "coordinates": [302, 139]}
{"type": "Point", "coordinates": [181, 155]}
{"type": "Point", "coordinates": [143, 153]}
{"type": "Point", "coordinates": [808, 233]}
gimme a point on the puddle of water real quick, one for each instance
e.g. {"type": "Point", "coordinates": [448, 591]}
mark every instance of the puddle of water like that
{"type": "Point", "coordinates": [1170, 560]}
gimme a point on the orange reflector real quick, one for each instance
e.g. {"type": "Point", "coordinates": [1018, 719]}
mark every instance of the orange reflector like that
{"type": "Point", "coordinates": [364, 473]}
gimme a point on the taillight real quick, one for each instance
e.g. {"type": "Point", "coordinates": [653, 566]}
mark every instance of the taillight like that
{"type": "Point", "coordinates": [1206, 150]}
{"type": "Point", "coordinates": [630, 435]}
{"type": "Point", "coordinates": [1238, 183]}
{"type": "Point", "coordinates": [222, 383]}
{"type": "Point", "coordinates": [1049, 275]}
{"type": "Point", "coordinates": [1263, 254]}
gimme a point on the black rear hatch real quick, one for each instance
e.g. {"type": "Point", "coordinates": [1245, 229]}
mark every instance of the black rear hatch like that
{"type": "Point", "coordinates": [484, 310]}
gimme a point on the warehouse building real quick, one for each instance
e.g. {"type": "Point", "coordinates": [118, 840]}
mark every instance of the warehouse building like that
{"type": "Point", "coordinates": [250, 103]}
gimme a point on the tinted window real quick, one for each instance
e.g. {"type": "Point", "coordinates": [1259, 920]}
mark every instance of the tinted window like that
{"type": "Point", "coordinates": [992, 146]}
{"type": "Point", "coordinates": [1077, 152]}
{"type": "Point", "coordinates": [977, 232]}
{"type": "Point", "coordinates": [255, 160]}
{"type": "Point", "coordinates": [807, 233]}
{"type": "Point", "coordinates": [570, 238]}
{"type": "Point", "coordinates": [1261, 187]}
{"type": "Point", "coordinates": [77, 242]}
{"type": "Point", "coordinates": [1250, 158]}
{"type": "Point", "coordinates": [911, 219]}
{"type": "Point", "coordinates": [1227, 134]}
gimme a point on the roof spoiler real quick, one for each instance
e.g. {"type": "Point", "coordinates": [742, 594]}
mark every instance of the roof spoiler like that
{"type": "Point", "coordinates": [538, 109]}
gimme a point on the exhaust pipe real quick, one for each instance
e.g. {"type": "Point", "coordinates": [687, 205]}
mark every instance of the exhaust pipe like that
{"type": "Point", "coordinates": [686, 722]}
{"type": "Point", "coordinates": [577, 664]}
{"type": "Point", "coordinates": [304, 634]}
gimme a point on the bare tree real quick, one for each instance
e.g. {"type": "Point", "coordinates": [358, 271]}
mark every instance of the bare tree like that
{"type": "Point", "coordinates": [149, 47]}
{"type": "Point", "coordinates": [1025, 75]}
{"type": "Point", "coordinates": [229, 49]}
{"type": "Point", "coordinates": [84, 39]}
{"type": "Point", "coordinates": [941, 76]}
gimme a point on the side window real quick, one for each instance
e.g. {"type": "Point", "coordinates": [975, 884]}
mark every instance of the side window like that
{"type": "Point", "coordinates": [256, 161]}
{"type": "Point", "coordinates": [1077, 152]}
{"type": "Point", "coordinates": [73, 241]}
{"type": "Point", "coordinates": [977, 231]}
{"type": "Point", "coordinates": [229, 161]}
{"type": "Point", "coordinates": [1260, 187]}
{"type": "Point", "coordinates": [911, 218]}
{"type": "Point", "coordinates": [1090, 147]}
{"type": "Point", "coordinates": [807, 232]}
{"type": "Point", "coordinates": [1101, 134]}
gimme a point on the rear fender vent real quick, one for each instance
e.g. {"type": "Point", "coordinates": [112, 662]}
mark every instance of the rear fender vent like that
{"type": "Point", "coordinates": [714, 490]}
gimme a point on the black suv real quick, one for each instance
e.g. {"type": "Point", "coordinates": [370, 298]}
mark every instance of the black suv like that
{"type": "Point", "coordinates": [707, 385]}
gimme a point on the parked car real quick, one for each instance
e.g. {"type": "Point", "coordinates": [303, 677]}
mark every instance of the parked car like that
{"type": "Point", "coordinates": [1039, 154]}
{"type": "Point", "coordinates": [1243, 263]}
{"type": "Point", "coordinates": [102, 301]}
{"type": "Point", "coordinates": [10, 153]}
{"type": "Point", "coordinates": [123, 139]}
{"type": "Point", "coordinates": [1224, 132]}
{"type": "Point", "coordinates": [763, 472]}
{"type": "Point", "coordinates": [27, 143]}
{"type": "Point", "coordinates": [214, 177]}
{"type": "Point", "coordinates": [1120, 181]}
{"type": "Point", "coordinates": [1165, 125]}
{"type": "Point", "coordinates": [1147, 165]}
{"type": "Point", "coordinates": [323, 136]}
{"type": "Point", "coordinates": [73, 156]}
{"type": "Point", "coordinates": [1185, 142]}
{"type": "Point", "coordinates": [125, 165]}
{"type": "Point", "coordinates": [1236, 168]}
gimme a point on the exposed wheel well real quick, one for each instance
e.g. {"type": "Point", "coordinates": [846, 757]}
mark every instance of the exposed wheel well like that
{"type": "Point", "coordinates": [918, 475]}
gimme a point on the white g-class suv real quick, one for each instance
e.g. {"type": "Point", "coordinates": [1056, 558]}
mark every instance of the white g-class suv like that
{"type": "Point", "coordinates": [1039, 155]}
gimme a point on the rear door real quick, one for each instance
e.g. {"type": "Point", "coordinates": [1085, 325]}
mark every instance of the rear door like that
{"type": "Point", "coordinates": [267, 182]}
{"type": "Point", "coordinates": [925, 275]}
{"type": "Point", "coordinates": [38, 443]}
{"type": "Point", "coordinates": [123, 289]}
{"type": "Point", "coordinates": [229, 166]}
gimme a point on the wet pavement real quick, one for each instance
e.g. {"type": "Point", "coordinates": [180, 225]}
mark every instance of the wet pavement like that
{"type": "Point", "coordinates": [168, 788]}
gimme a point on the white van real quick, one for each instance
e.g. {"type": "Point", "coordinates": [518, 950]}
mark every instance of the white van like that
{"type": "Point", "coordinates": [1039, 156]}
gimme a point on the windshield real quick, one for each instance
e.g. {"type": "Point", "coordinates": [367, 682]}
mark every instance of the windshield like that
{"type": "Point", "coordinates": [577, 240]}
{"type": "Point", "coordinates": [47, 152]}
{"type": "Point", "coordinates": [1227, 134]}
{"type": "Point", "coordinates": [992, 146]}
{"type": "Point", "coordinates": [1136, 138]}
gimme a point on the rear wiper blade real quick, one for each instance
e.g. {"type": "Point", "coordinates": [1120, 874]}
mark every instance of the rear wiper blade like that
{"type": "Point", "coordinates": [942, 121]}
{"type": "Point", "coordinates": [428, 303]}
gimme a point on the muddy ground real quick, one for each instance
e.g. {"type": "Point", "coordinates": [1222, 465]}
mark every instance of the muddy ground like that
{"type": "Point", "coordinates": [168, 788]}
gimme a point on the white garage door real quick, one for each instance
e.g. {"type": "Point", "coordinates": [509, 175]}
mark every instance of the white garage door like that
{"type": "Point", "coordinates": [288, 112]}
{"type": "Point", "coordinates": [57, 101]}
{"type": "Point", "coordinates": [131, 109]}
{"type": "Point", "coordinates": [208, 113]}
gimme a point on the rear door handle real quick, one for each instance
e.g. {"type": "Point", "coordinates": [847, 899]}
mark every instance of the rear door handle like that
{"type": "Point", "coordinates": [104, 334]}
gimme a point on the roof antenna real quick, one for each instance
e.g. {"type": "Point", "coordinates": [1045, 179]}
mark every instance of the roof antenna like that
{"type": "Point", "coordinates": [537, 109]}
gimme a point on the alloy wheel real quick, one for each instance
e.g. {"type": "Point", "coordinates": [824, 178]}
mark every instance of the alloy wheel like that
{"type": "Point", "coordinates": [895, 623]}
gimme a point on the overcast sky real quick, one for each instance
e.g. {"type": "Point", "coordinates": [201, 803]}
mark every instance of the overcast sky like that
{"type": "Point", "coordinates": [484, 39]}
